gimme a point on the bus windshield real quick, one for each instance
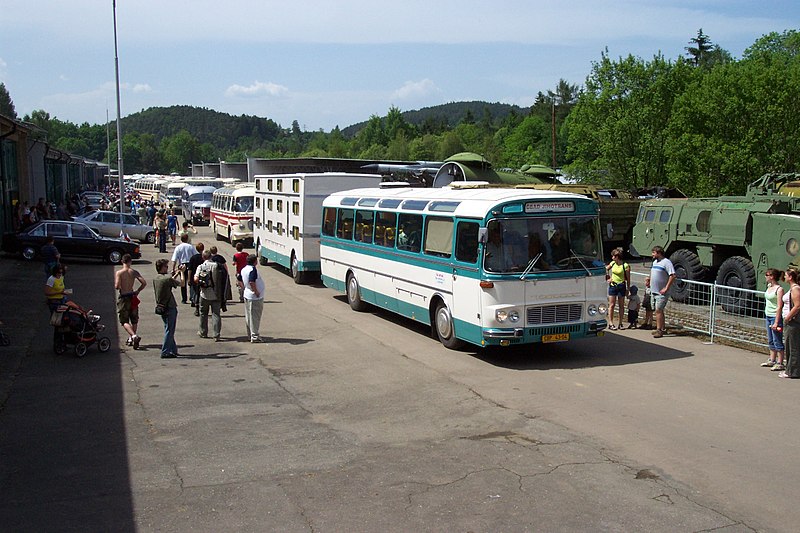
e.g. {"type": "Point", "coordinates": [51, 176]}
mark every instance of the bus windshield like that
{"type": "Point", "coordinates": [537, 244]}
{"type": "Point", "coordinates": [200, 197]}
{"type": "Point", "coordinates": [243, 204]}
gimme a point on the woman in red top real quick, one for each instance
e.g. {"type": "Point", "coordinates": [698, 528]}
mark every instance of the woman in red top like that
{"type": "Point", "coordinates": [240, 260]}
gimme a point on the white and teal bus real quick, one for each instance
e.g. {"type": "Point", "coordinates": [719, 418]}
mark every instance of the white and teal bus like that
{"type": "Point", "coordinates": [487, 266]}
{"type": "Point", "coordinates": [287, 213]}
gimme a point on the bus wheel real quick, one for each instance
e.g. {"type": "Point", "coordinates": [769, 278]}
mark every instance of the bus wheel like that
{"type": "Point", "coordinates": [354, 294]}
{"type": "Point", "coordinates": [445, 329]}
{"type": "Point", "coordinates": [262, 259]}
{"type": "Point", "coordinates": [298, 275]}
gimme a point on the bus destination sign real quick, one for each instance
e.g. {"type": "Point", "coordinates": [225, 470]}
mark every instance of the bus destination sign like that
{"type": "Point", "coordinates": [549, 207]}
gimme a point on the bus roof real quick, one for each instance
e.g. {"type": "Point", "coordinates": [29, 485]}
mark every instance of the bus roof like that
{"type": "Point", "coordinates": [471, 202]}
{"type": "Point", "coordinates": [245, 189]}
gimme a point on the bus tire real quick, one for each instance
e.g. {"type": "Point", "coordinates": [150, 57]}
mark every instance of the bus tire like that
{"type": "Point", "coordinates": [262, 259]}
{"type": "Point", "coordinates": [354, 294]}
{"type": "Point", "coordinates": [445, 328]}
{"type": "Point", "coordinates": [298, 275]}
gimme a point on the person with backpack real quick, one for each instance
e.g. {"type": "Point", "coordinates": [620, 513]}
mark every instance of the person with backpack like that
{"type": "Point", "coordinates": [194, 290]}
{"type": "Point", "coordinates": [208, 282]}
{"type": "Point", "coordinates": [618, 274]}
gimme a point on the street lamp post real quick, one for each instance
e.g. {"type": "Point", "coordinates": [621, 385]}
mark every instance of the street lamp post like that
{"type": "Point", "coordinates": [119, 126]}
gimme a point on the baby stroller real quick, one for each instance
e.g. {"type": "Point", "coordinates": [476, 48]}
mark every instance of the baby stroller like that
{"type": "Point", "coordinates": [77, 327]}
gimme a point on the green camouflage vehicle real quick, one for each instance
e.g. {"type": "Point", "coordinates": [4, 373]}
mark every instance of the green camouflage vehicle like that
{"type": "Point", "coordinates": [732, 240]}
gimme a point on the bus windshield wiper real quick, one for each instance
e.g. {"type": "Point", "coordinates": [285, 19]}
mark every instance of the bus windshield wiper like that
{"type": "Point", "coordinates": [530, 266]}
{"type": "Point", "coordinates": [576, 256]}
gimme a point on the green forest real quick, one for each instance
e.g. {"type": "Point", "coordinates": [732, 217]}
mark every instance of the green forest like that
{"type": "Point", "coordinates": [705, 122]}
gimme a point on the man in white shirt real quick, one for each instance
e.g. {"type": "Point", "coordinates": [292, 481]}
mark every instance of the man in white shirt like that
{"type": "Point", "coordinates": [662, 276]}
{"type": "Point", "coordinates": [180, 261]}
{"type": "Point", "coordinates": [253, 298]}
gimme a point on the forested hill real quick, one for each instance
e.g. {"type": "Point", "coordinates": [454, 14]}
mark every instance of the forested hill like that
{"type": "Point", "coordinates": [206, 125]}
{"type": "Point", "coordinates": [447, 116]}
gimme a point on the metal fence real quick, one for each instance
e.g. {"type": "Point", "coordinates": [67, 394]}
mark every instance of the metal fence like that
{"type": "Point", "coordinates": [718, 311]}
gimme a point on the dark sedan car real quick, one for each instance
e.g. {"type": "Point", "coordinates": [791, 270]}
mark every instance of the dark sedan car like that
{"type": "Point", "coordinates": [73, 239]}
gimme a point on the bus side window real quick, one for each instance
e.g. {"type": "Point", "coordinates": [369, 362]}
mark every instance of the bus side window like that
{"type": "Point", "coordinates": [364, 220]}
{"type": "Point", "coordinates": [329, 221]}
{"type": "Point", "coordinates": [385, 223]}
{"type": "Point", "coordinates": [344, 227]}
{"type": "Point", "coordinates": [438, 236]}
{"type": "Point", "coordinates": [467, 242]}
{"type": "Point", "coordinates": [409, 233]}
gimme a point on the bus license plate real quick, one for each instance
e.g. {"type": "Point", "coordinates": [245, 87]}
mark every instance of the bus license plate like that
{"type": "Point", "coordinates": [557, 337]}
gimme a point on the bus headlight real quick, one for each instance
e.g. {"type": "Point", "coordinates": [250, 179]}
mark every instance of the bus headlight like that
{"type": "Point", "coordinates": [502, 315]}
{"type": "Point", "coordinates": [597, 309]}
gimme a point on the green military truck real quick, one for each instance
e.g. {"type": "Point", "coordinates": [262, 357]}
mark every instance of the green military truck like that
{"type": "Point", "coordinates": [732, 240]}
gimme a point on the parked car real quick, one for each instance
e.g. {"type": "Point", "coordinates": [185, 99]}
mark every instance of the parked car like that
{"type": "Point", "coordinates": [110, 224]}
{"type": "Point", "coordinates": [73, 239]}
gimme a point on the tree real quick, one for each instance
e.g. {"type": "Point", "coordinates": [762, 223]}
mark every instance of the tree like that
{"type": "Point", "coordinates": [702, 45]}
{"type": "Point", "coordinates": [739, 121]}
{"type": "Point", "coordinates": [618, 128]}
{"type": "Point", "coordinates": [179, 151]}
{"type": "Point", "coordinates": [6, 104]}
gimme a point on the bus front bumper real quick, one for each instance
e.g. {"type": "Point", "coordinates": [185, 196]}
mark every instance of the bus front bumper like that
{"type": "Point", "coordinates": [525, 335]}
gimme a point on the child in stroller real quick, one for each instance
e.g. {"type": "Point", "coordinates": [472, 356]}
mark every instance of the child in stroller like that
{"type": "Point", "coordinates": [77, 327]}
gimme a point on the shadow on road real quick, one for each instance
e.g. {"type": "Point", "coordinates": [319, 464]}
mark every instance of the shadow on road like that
{"type": "Point", "coordinates": [63, 452]}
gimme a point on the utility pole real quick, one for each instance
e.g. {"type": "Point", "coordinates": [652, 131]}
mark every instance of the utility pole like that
{"type": "Point", "coordinates": [553, 120]}
{"type": "Point", "coordinates": [119, 127]}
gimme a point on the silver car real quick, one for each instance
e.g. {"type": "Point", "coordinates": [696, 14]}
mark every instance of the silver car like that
{"type": "Point", "coordinates": [112, 224]}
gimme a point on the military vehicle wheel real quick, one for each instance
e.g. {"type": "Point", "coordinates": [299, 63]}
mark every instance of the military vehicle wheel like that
{"type": "Point", "coordinates": [738, 273]}
{"type": "Point", "coordinates": [687, 267]}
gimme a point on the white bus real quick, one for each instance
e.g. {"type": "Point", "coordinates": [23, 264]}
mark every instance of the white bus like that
{"type": "Point", "coordinates": [149, 188]}
{"type": "Point", "coordinates": [232, 212]}
{"type": "Point", "coordinates": [488, 266]}
{"type": "Point", "coordinates": [171, 193]}
{"type": "Point", "coordinates": [196, 203]}
{"type": "Point", "coordinates": [287, 216]}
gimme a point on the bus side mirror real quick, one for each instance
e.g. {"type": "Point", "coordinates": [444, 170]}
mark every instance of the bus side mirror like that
{"type": "Point", "coordinates": [483, 235]}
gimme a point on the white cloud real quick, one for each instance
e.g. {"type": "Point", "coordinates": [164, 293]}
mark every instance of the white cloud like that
{"type": "Point", "coordinates": [142, 88]}
{"type": "Point", "coordinates": [412, 90]}
{"type": "Point", "coordinates": [256, 89]}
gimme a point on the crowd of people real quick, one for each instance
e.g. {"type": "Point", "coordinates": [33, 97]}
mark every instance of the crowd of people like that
{"type": "Point", "coordinates": [202, 276]}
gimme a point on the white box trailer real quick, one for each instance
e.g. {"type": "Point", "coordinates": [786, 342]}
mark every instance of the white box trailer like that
{"type": "Point", "coordinates": [288, 215]}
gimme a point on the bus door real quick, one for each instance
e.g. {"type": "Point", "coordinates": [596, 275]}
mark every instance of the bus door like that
{"type": "Point", "coordinates": [466, 303]}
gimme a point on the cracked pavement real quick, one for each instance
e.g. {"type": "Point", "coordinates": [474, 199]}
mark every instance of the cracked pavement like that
{"type": "Point", "coordinates": [340, 422]}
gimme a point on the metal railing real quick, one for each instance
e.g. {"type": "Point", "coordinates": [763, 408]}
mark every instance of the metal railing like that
{"type": "Point", "coordinates": [714, 310]}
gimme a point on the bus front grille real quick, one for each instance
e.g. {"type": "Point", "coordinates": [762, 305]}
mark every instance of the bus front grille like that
{"type": "Point", "coordinates": [553, 314]}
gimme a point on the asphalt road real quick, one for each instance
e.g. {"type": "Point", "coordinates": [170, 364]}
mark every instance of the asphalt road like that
{"type": "Point", "coordinates": [349, 421]}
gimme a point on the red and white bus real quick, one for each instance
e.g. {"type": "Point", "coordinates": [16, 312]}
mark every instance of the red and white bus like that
{"type": "Point", "coordinates": [232, 212]}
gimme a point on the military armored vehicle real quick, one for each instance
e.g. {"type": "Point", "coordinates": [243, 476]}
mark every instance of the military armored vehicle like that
{"type": "Point", "coordinates": [732, 240]}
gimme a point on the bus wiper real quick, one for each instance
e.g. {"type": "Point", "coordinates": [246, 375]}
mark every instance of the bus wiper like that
{"type": "Point", "coordinates": [530, 266]}
{"type": "Point", "coordinates": [576, 256]}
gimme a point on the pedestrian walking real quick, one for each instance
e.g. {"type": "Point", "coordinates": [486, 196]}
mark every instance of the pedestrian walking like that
{"type": "Point", "coordinates": [181, 256]}
{"type": "Point", "coordinates": [172, 225]}
{"type": "Point", "coordinates": [253, 298]}
{"type": "Point", "coordinates": [207, 278]}
{"type": "Point", "coordinates": [166, 306]}
{"type": "Point", "coordinates": [773, 311]}
{"type": "Point", "coordinates": [194, 290]}
{"type": "Point", "coordinates": [187, 229]}
{"type": "Point", "coordinates": [160, 224]}
{"type": "Point", "coordinates": [240, 260]}
{"type": "Point", "coordinates": [50, 255]}
{"type": "Point", "coordinates": [225, 282]}
{"type": "Point", "coordinates": [662, 276]}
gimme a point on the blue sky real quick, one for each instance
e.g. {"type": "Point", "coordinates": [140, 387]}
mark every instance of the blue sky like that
{"type": "Point", "coordinates": [328, 63]}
